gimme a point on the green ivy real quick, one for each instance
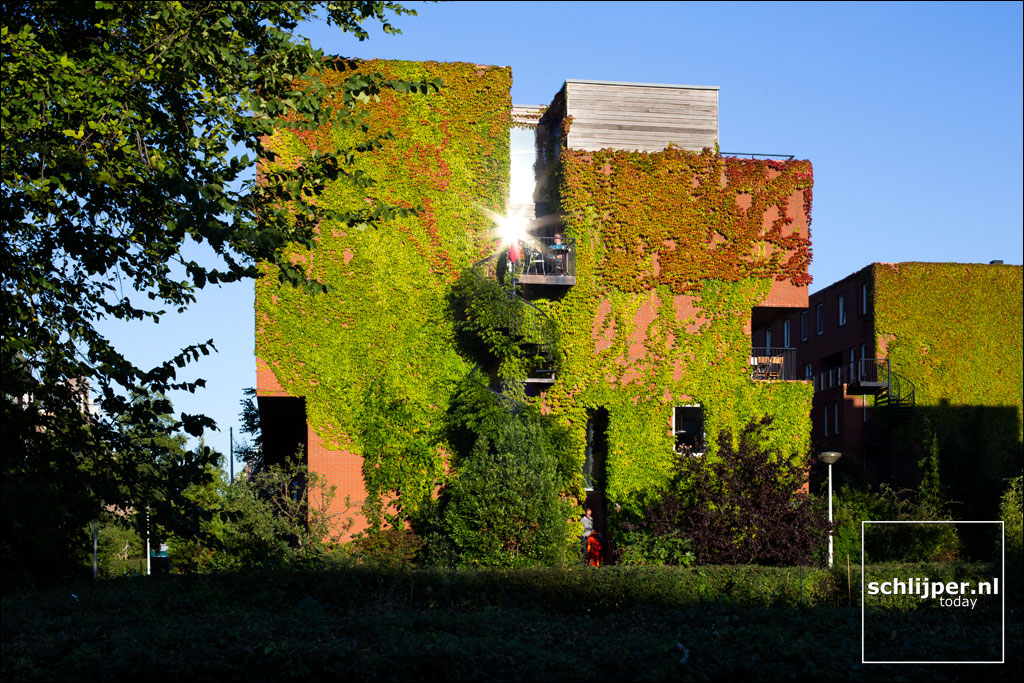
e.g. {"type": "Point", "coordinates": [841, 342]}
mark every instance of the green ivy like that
{"type": "Point", "coordinates": [375, 357]}
{"type": "Point", "coordinates": [627, 211]}
{"type": "Point", "coordinates": [955, 331]}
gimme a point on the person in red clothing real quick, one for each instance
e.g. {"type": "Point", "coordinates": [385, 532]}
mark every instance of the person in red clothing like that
{"type": "Point", "coordinates": [593, 550]}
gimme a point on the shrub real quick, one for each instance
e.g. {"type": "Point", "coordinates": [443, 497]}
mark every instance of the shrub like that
{"type": "Point", "coordinates": [745, 507]}
{"type": "Point", "coordinates": [387, 548]}
{"type": "Point", "coordinates": [893, 542]}
{"type": "Point", "coordinates": [275, 518]}
{"type": "Point", "coordinates": [644, 548]}
{"type": "Point", "coordinates": [503, 505]}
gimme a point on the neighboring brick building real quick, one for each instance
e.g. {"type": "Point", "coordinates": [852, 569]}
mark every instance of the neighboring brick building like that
{"type": "Point", "coordinates": [901, 353]}
{"type": "Point", "coordinates": [653, 266]}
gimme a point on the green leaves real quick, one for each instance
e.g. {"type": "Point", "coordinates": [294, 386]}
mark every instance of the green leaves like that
{"type": "Point", "coordinates": [126, 134]}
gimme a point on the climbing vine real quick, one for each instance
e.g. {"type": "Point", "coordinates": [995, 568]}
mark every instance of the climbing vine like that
{"type": "Point", "coordinates": [375, 357]}
{"type": "Point", "coordinates": [673, 251]}
{"type": "Point", "coordinates": [955, 331]}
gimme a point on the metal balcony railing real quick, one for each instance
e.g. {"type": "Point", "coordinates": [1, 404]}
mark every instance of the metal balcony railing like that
{"type": "Point", "coordinates": [549, 257]}
{"type": "Point", "coordinates": [866, 371]}
{"type": "Point", "coordinates": [772, 363]}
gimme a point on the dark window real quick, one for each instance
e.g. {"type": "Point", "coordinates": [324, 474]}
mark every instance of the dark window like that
{"type": "Point", "coordinates": [803, 325]}
{"type": "Point", "coordinates": [842, 310]}
{"type": "Point", "coordinates": [688, 428]}
{"type": "Point", "coordinates": [785, 333]}
{"type": "Point", "coordinates": [768, 339]}
{"type": "Point", "coordinates": [820, 312]}
{"type": "Point", "coordinates": [864, 299]}
{"type": "Point", "coordinates": [835, 417]}
{"type": "Point", "coordinates": [596, 452]}
{"type": "Point", "coordinates": [826, 419]}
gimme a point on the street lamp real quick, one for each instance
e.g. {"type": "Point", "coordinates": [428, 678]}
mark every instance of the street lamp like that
{"type": "Point", "coordinates": [829, 457]}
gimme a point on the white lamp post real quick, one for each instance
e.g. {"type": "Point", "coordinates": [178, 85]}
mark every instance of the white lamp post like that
{"type": "Point", "coordinates": [829, 457]}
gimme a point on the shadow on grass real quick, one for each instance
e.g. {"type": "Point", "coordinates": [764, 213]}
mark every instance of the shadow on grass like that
{"type": "Point", "coordinates": [581, 624]}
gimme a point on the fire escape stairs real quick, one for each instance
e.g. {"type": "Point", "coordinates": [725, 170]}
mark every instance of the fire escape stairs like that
{"type": "Point", "coordinates": [529, 329]}
{"type": "Point", "coordinates": [894, 405]}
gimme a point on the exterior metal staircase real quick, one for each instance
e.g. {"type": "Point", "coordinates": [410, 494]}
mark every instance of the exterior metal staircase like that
{"type": "Point", "coordinates": [894, 405]}
{"type": "Point", "coordinates": [528, 327]}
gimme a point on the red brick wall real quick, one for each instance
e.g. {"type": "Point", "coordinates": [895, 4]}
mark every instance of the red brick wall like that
{"type": "Point", "coordinates": [339, 467]}
{"type": "Point", "coordinates": [343, 470]}
{"type": "Point", "coordinates": [266, 380]}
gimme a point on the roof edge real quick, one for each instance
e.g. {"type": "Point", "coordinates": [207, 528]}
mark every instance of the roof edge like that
{"type": "Point", "coordinates": [643, 85]}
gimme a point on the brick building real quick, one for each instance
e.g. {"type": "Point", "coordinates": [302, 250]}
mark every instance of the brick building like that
{"type": "Point", "coordinates": [650, 255]}
{"type": "Point", "coordinates": [904, 353]}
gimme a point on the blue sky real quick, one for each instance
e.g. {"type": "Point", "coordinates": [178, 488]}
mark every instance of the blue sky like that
{"type": "Point", "coordinates": [910, 112]}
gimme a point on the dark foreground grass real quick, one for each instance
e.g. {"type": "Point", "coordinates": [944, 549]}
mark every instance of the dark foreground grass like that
{"type": "Point", "coordinates": [360, 624]}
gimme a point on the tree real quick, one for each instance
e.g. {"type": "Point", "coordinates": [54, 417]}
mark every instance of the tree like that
{"type": "Point", "coordinates": [129, 132]}
{"type": "Point", "coordinates": [504, 504]}
{"type": "Point", "coordinates": [250, 450]}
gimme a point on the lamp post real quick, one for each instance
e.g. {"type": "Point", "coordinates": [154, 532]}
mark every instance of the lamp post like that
{"type": "Point", "coordinates": [829, 457]}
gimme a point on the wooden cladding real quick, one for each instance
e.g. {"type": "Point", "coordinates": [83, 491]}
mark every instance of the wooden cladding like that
{"type": "Point", "coordinates": [643, 117]}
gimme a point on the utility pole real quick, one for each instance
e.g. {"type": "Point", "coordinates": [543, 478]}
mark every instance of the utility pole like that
{"type": "Point", "coordinates": [231, 451]}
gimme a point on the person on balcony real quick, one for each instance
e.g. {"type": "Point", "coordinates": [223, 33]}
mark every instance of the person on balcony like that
{"type": "Point", "coordinates": [558, 251]}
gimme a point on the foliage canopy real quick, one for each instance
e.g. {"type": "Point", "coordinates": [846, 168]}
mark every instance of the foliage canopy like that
{"type": "Point", "coordinates": [129, 133]}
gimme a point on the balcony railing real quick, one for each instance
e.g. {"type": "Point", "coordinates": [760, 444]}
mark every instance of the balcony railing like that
{"type": "Point", "coordinates": [772, 363]}
{"type": "Point", "coordinates": [547, 260]}
{"type": "Point", "coordinates": [865, 374]}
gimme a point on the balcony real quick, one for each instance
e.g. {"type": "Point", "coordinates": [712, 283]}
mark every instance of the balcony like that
{"type": "Point", "coordinates": [864, 376]}
{"type": "Point", "coordinates": [771, 363]}
{"type": "Point", "coordinates": [549, 261]}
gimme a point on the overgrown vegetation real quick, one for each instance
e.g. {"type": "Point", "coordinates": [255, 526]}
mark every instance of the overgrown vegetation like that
{"type": "Point", "coordinates": [955, 331]}
{"type": "Point", "coordinates": [745, 506]}
{"type": "Point", "coordinates": [376, 360]}
{"type": "Point", "coordinates": [503, 505]}
{"type": "Point", "coordinates": [674, 249]}
{"type": "Point", "coordinates": [127, 136]}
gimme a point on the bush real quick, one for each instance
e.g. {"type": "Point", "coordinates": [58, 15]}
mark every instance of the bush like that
{"type": "Point", "coordinates": [503, 506]}
{"type": "Point", "coordinates": [746, 507]}
{"type": "Point", "coordinates": [641, 547]}
{"type": "Point", "coordinates": [391, 548]}
{"type": "Point", "coordinates": [893, 542]}
{"type": "Point", "coordinates": [276, 518]}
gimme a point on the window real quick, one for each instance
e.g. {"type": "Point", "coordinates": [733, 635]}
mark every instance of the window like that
{"type": "Point", "coordinates": [863, 351]}
{"type": "Point", "coordinates": [842, 310]}
{"type": "Point", "coordinates": [854, 373]}
{"type": "Point", "coordinates": [835, 417]}
{"type": "Point", "coordinates": [826, 418]}
{"type": "Point", "coordinates": [807, 371]}
{"type": "Point", "coordinates": [820, 313]}
{"type": "Point", "coordinates": [596, 451]}
{"type": "Point", "coordinates": [864, 299]}
{"type": "Point", "coordinates": [768, 340]}
{"type": "Point", "coordinates": [785, 333]}
{"type": "Point", "coordinates": [688, 429]}
{"type": "Point", "coordinates": [803, 325]}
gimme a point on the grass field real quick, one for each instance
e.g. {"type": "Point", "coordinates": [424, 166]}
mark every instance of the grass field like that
{"type": "Point", "coordinates": [574, 625]}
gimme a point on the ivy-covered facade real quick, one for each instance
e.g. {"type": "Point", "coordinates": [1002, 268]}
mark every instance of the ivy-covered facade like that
{"type": "Point", "coordinates": [911, 358]}
{"type": "Point", "coordinates": [677, 253]}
